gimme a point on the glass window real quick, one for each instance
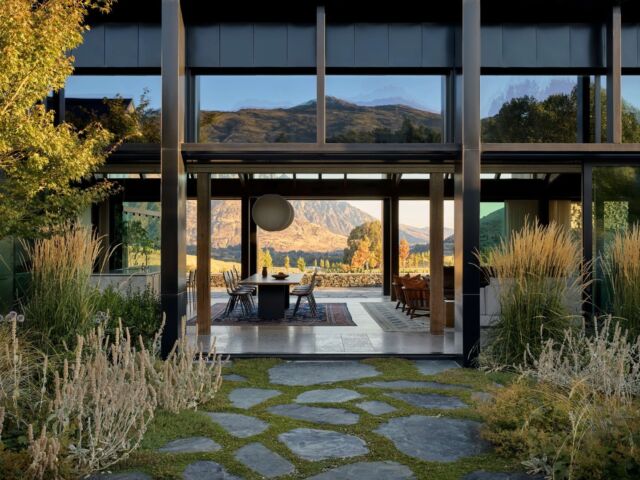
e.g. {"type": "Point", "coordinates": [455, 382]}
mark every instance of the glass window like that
{"type": "Point", "coordinates": [126, 105]}
{"type": "Point", "coordinates": [256, 109]}
{"type": "Point", "coordinates": [631, 108]}
{"type": "Point", "coordinates": [366, 176]}
{"type": "Point", "coordinates": [493, 223]}
{"type": "Point", "coordinates": [528, 109]}
{"type": "Point", "coordinates": [415, 176]}
{"type": "Point", "coordinates": [332, 176]}
{"type": "Point", "coordinates": [384, 108]}
{"type": "Point", "coordinates": [140, 230]}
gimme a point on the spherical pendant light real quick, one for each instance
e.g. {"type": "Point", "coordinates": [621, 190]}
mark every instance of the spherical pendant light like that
{"type": "Point", "coordinates": [272, 213]}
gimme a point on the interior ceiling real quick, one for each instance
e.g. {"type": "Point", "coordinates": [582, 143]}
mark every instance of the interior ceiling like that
{"type": "Point", "coordinates": [493, 11]}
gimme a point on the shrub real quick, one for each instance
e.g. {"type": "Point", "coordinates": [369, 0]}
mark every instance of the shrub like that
{"type": "Point", "coordinates": [574, 413]}
{"type": "Point", "coordinates": [138, 310]}
{"type": "Point", "coordinates": [62, 300]}
{"type": "Point", "coordinates": [621, 268]}
{"type": "Point", "coordinates": [538, 269]}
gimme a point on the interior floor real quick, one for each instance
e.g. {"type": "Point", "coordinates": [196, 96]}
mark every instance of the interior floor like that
{"type": "Point", "coordinates": [366, 337]}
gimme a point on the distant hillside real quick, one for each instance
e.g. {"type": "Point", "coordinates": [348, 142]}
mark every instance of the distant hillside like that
{"type": "Point", "coordinates": [345, 122]}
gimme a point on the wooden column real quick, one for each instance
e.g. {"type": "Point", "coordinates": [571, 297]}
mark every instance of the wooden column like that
{"type": "Point", "coordinates": [614, 72]}
{"type": "Point", "coordinates": [436, 253]}
{"type": "Point", "coordinates": [203, 289]}
{"type": "Point", "coordinates": [253, 241]}
{"type": "Point", "coordinates": [245, 237]}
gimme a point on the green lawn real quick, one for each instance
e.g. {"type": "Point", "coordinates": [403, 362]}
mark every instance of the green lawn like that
{"type": "Point", "coordinates": [167, 427]}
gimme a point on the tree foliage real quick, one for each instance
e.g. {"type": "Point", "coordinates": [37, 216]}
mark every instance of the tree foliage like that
{"type": "Point", "coordinates": [42, 164]}
{"type": "Point", "coordinates": [372, 231]}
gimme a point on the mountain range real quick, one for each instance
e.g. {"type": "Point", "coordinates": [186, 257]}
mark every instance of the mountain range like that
{"type": "Point", "coordinates": [298, 123]}
{"type": "Point", "coordinates": [319, 226]}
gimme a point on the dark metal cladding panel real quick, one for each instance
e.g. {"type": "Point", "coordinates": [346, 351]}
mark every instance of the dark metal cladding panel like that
{"type": "Point", "coordinates": [149, 46]}
{"type": "Point", "coordinates": [203, 46]}
{"type": "Point", "coordinates": [405, 45]}
{"type": "Point", "coordinates": [519, 46]}
{"type": "Point", "coordinates": [270, 45]}
{"type": "Point", "coordinates": [438, 45]}
{"type": "Point", "coordinates": [629, 46]}
{"type": "Point", "coordinates": [371, 45]}
{"type": "Point", "coordinates": [491, 46]}
{"type": "Point", "coordinates": [553, 45]}
{"type": "Point", "coordinates": [236, 45]}
{"type": "Point", "coordinates": [340, 45]}
{"type": "Point", "coordinates": [121, 45]}
{"type": "Point", "coordinates": [301, 45]}
{"type": "Point", "coordinates": [587, 46]}
{"type": "Point", "coordinates": [91, 52]}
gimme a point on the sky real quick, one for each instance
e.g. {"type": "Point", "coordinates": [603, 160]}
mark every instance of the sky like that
{"type": "Point", "coordinates": [412, 212]}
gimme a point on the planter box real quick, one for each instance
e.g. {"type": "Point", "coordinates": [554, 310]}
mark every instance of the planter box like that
{"type": "Point", "coordinates": [129, 280]}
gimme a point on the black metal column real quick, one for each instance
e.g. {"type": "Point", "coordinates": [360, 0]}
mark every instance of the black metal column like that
{"type": "Point", "coordinates": [253, 241]}
{"type": "Point", "coordinates": [614, 72]}
{"type": "Point", "coordinates": [467, 188]}
{"type": "Point", "coordinates": [587, 234]}
{"type": "Point", "coordinates": [584, 110]}
{"type": "Point", "coordinates": [173, 183]}
{"type": "Point", "coordinates": [390, 243]}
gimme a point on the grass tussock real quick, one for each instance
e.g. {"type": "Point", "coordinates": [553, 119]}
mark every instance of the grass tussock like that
{"type": "Point", "coordinates": [62, 300]}
{"type": "Point", "coordinates": [621, 268]}
{"type": "Point", "coordinates": [538, 269]}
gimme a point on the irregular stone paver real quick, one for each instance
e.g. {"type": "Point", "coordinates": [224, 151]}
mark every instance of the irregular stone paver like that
{"type": "Point", "coordinates": [435, 439]}
{"type": "Point", "coordinates": [481, 397]}
{"type": "Point", "coordinates": [429, 400]}
{"type": "Point", "coordinates": [316, 373]}
{"type": "Point", "coordinates": [334, 395]}
{"type": "Point", "coordinates": [482, 475]}
{"type": "Point", "coordinates": [238, 425]}
{"type": "Point", "coordinates": [266, 463]}
{"type": "Point", "coordinates": [206, 470]}
{"type": "Point", "coordinates": [120, 476]}
{"type": "Point", "coordinates": [407, 384]}
{"type": "Point", "coordinates": [432, 367]}
{"type": "Point", "coordinates": [249, 397]}
{"type": "Point", "coordinates": [232, 377]}
{"type": "Point", "coordinates": [376, 408]}
{"type": "Point", "coordinates": [367, 470]}
{"type": "Point", "coordinates": [311, 444]}
{"type": "Point", "coordinates": [332, 416]}
{"type": "Point", "coordinates": [190, 445]}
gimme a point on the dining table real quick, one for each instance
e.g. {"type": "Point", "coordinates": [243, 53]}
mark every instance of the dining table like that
{"type": "Point", "coordinates": [273, 293]}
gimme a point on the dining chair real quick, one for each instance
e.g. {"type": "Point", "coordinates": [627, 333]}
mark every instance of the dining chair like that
{"type": "Point", "coordinates": [306, 291]}
{"type": "Point", "coordinates": [237, 295]}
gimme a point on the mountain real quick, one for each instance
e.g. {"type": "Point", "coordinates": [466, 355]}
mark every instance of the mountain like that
{"type": "Point", "coordinates": [298, 123]}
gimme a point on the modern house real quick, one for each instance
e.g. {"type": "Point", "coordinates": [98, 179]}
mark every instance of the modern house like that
{"type": "Point", "coordinates": [519, 110]}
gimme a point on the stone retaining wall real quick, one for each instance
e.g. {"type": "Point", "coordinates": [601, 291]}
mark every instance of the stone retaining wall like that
{"type": "Point", "coordinates": [330, 280]}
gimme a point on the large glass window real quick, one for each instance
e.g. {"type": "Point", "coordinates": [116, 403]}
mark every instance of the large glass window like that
{"type": "Point", "coordinates": [256, 109]}
{"type": "Point", "coordinates": [384, 108]}
{"type": "Point", "coordinates": [127, 105]}
{"type": "Point", "coordinates": [528, 109]}
{"type": "Point", "coordinates": [140, 232]}
{"type": "Point", "coordinates": [631, 108]}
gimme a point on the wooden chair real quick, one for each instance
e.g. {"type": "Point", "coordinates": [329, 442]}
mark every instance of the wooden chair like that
{"type": "Point", "coordinates": [306, 291]}
{"type": "Point", "coordinates": [237, 295]}
{"type": "Point", "coordinates": [397, 288]}
{"type": "Point", "coordinates": [418, 300]}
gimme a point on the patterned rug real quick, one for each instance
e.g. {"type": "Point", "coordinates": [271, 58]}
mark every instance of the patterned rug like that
{"type": "Point", "coordinates": [329, 314]}
{"type": "Point", "coordinates": [391, 320]}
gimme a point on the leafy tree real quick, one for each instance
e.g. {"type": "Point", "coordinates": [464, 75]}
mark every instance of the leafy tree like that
{"type": "Point", "coordinates": [373, 231]}
{"type": "Point", "coordinates": [267, 261]}
{"type": "Point", "coordinates": [43, 164]}
{"type": "Point", "coordinates": [362, 254]}
{"type": "Point", "coordinates": [287, 263]}
{"type": "Point", "coordinates": [404, 250]}
{"type": "Point", "coordinates": [301, 265]}
{"type": "Point", "coordinates": [137, 238]}
{"type": "Point", "coordinates": [322, 263]}
{"type": "Point", "coordinates": [315, 262]}
{"type": "Point", "coordinates": [407, 133]}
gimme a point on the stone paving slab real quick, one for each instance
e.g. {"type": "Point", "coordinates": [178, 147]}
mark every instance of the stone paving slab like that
{"type": "Point", "coordinates": [263, 461]}
{"type": "Point", "coordinates": [238, 425]}
{"type": "Point", "coordinates": [376, 407]}
{"type": "Point", "coordinates": [232, 377]}
{"type": "Point", "coordinates": [190, 445]}
{"type": "Point", "coordinates": [120, 476]}
{"type": "Point", "coordinates": [331, 416]}
{"type": "Point", "coordinates": [429, 400]}
{"type": "Point", "coordinates": [408, 384]}
{"type": "Point", "coordinates": [250, 397]}
{"type": "Point", "coordinates": [434, 439]}
{"type": "Point", "coordinates": [311, 444]}
{"type": "Point", "coordinates": [482, 475]}
{"type": "Point", "coordinates": [334, 395]}
{"type": "Point", "coordinates": [207, 470]}
{"type": "Point", "coordinates": [368, 471]}
{"type": "Point", "coordinates": [432, 367]}
{"type": "Point", "coordinates": [317, 373]}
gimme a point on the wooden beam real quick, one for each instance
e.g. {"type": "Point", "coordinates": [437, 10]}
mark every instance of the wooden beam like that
{"type": "Point", "coordinates": [203, 251]}
{"type": "Point", "coordinates": [436, 253]}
